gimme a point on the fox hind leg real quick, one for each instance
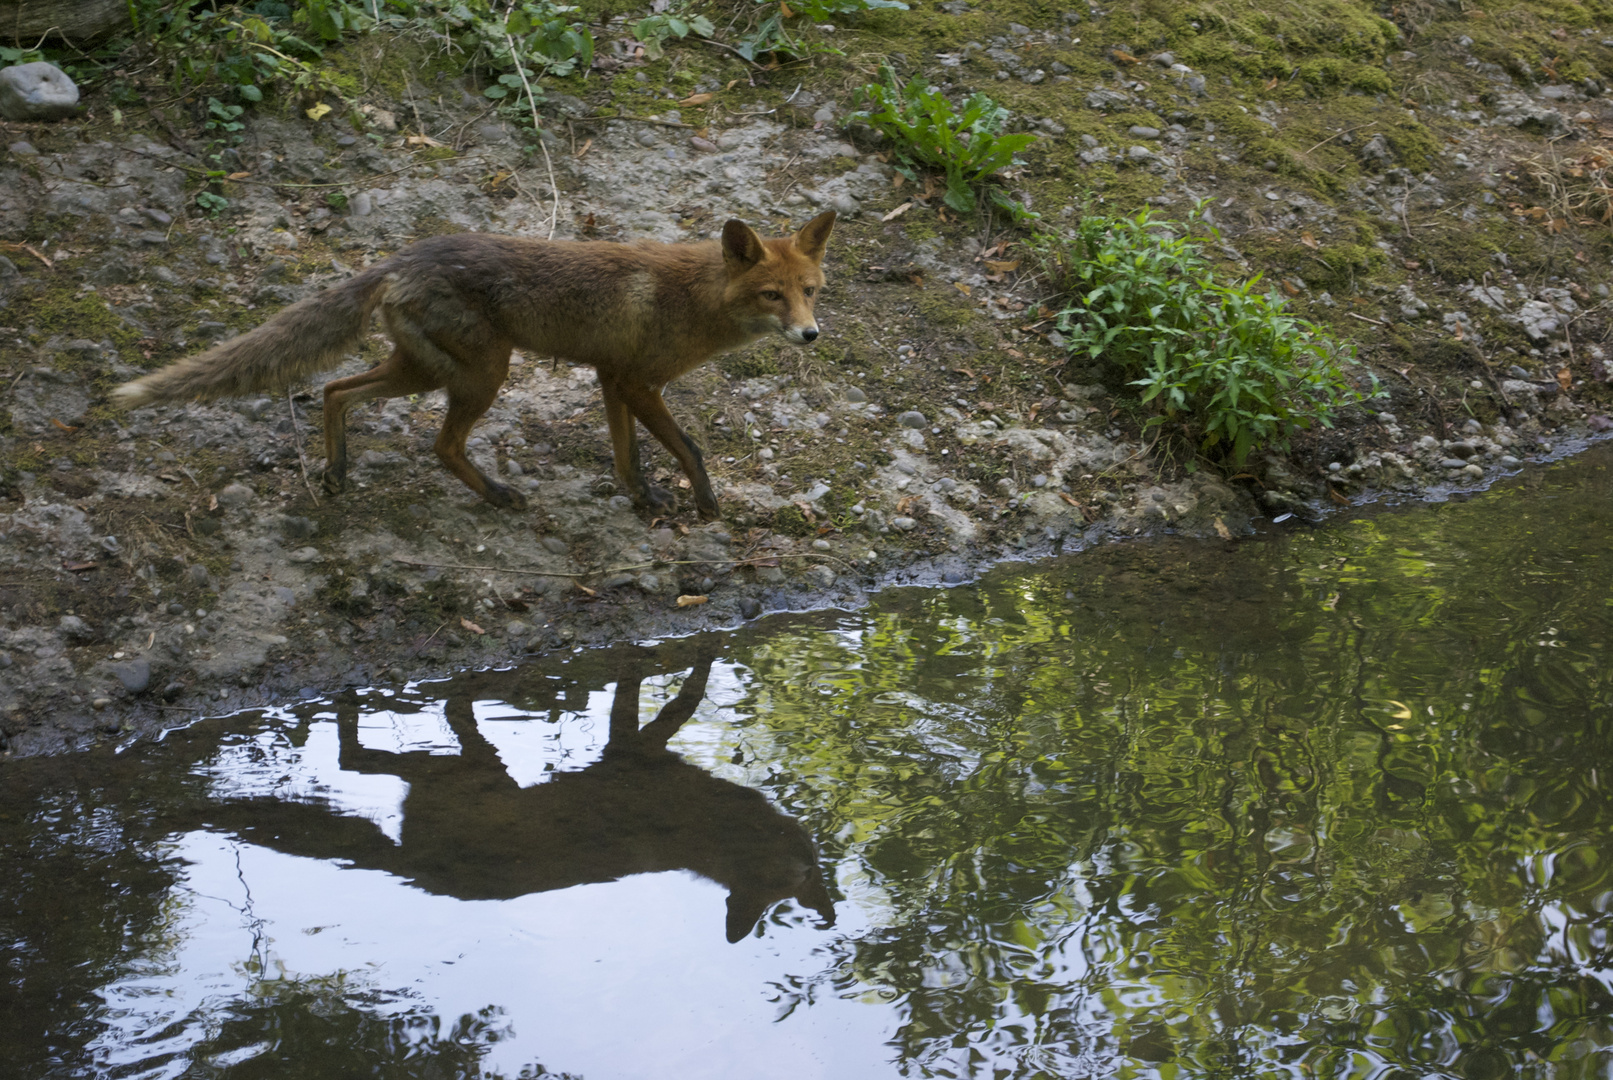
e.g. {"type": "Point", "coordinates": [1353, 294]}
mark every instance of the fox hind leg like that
{"type": "Point", "coordinates": [393, 377]}
{"type": "Point", "coordinates": [468, 399]}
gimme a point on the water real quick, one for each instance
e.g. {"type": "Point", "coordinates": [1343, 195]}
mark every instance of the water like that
{"type": "Point", "coordinates": [1332, 804]}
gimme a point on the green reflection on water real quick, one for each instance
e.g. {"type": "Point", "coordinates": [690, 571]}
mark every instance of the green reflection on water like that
{"type": "Point", "coordinates": [1328, 805]}
{"type": "Point", "coordinates": [1332, 805]}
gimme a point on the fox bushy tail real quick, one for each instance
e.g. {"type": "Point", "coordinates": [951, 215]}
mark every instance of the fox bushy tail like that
{"type": "Point", "coordinates": [306, 338]}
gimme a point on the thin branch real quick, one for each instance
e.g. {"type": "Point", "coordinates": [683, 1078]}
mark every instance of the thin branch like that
{"type": "Point", "coordinates": [302, 460]}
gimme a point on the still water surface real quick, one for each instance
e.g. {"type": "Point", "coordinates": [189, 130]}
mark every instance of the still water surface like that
{"type": "Point", "coordinates": [1331, 804]}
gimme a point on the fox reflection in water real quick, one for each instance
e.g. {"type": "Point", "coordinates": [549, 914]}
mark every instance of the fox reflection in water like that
{"type": "Point", "coordinates": [470, 831]}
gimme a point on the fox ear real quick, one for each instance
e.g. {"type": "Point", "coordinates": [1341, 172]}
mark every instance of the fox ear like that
{"type": "Point", "coordinates": [745, 910]}
{"type": "Point", "coordinates": [814, 236]}
{"type": "Point", "coordinates": [741, 247]}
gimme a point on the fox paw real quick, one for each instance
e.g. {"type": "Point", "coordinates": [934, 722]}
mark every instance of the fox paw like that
{"type": "Point", "coordinates": [333, 482]}
{"type": "Point", "coordinates": [506, 498]}
{"type": "Point", "coordinates": [658, 499]}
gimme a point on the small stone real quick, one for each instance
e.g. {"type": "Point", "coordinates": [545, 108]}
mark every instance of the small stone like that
{"type": "Point", "coordinates": [1452, 463]}
{"type": "Point", "coordinates": [74, 628]}
{"type": "Point", "coordinates": [198, 576]}
{"type": "Point", "coordinates": [912, 419]}
{"type": "Point", "coordinates": [100, 703]}
{"type": "Point", "coordinates": [555, 546]}
{"type": "Point", "coordinates": [304, 555]}
{"type": "Point", "coordinates": [37, 91]}
{"type": "Point", "coordinates": [820, 545]}
{"type": "Point", "coordinates": [1139, 153]}
{"type": "Point", "coordinates": [770, 575]}
{"type": "Point", "coordinates": [298, 528]}
{"type": "Point", "coordinates": [135, 675]}
{"type": "Point", "coordinates": [515, 628]}
{"type": "Point", "coordinates": [749, 608]}
{"type": "Point", "coordinates": [855, 395]}
{"type": "Point", "coordinates": [1141, 131]}
{"type": "Point", "coordinates": [1473, 470]}
{"type": "Point", "coordinates": [235, 495]}
{"type": "Point", "coordinates": [361, 205]}
{"type": "Point", "coordinates": [906, 524]}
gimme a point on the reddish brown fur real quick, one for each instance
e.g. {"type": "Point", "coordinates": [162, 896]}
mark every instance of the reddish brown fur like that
{"type": "Point", "coordinates": [456, 306]}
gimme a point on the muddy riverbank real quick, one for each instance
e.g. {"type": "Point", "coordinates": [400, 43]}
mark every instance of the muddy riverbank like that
{"type": "Point", "coordinates": [181, 561]}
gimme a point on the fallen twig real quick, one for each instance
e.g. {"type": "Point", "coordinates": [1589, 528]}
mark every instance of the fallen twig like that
{"type": "Point", "coordinates": [302, 459]}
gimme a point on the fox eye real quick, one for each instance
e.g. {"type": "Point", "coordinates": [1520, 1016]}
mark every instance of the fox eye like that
{"type": "Point", "coordinates": [772, 294]}
{"type": "Point", "coordinates": [810, 290]}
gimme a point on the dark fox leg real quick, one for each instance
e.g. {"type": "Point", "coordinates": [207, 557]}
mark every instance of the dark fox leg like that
{"type": "Point", "coordinates": [394, 377]}
{"type": "Point", "coordinates": [646, 403]}
{"type": "Point", "coordinates": [624, 449]}
{"type": "Point", "coordinates": [468, 399]}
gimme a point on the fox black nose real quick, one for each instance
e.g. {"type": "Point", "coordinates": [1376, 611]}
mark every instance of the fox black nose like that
{"type": "Point", "coordinates": [809, 333]}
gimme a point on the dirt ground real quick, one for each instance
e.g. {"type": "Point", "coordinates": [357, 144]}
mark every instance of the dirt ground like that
{"type": "Point", "coordinates": [1431, 188]}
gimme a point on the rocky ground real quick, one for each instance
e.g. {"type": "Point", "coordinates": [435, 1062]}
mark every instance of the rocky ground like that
{"type": "Point", "coordinates": [1438, 199]}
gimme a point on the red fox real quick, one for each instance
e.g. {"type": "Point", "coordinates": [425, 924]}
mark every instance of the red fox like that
{"type": "Point", "coordinates": [471, 831]}
{"type": "Point", "coordinates": [455, 306]}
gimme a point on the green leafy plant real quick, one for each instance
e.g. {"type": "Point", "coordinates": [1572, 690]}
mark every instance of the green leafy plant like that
{"type": "Point", "coordinates": [825, 10]}
{"type": "Point", "coordinates": [655, 31]}
{"type": "Point", "coordinates": [212, 203]}
{"type": "Point", "coordinates": [1224, 359]}
{"type": "Point", "coordinates": [928, 132]}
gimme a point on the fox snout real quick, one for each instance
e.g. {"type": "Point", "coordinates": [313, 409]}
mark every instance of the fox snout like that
{"type": "Point", "coordinates": [802, 335]}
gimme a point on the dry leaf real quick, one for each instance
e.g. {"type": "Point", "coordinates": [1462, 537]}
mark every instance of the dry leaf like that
{"type": "Point", "coordinates": [786, 11]}
{"type": "Point", "coordinates": [898, 212]}
{"type": "Point", "coordinates": [696, 99]}
{"type": "Point", "coordinates": [1221, 529]}
{"type": "Point", "coordinates": [1002, 267]}
{"type": "Point", "coordinates": [906, 503]}
{"type": "Point", "coordinates": [897, 180]}
{"type": "Point", "coordinates": [1565, 378]}
{"type": "Point", "coordinates": [212, 502]}
{"type": "Point", "coordinates": [63, 426]}
{"type": "Point", "coordinates": [75, 567]}
{"type": "Point", "coordinates": [1336, 497]}
{"type": "Point", "coordinates": [1308, 240]}
{"type": "Point", "coordinates": [422, 140]}
{"type": "Point", "coordinates": [472, 627]}
{"type": "Point", "coordinates": [586, 589]}
{"type": "Point", "coordinates": [1459, 335]}
{"type": "Point", "coordinates": [1412, 264]}
{"type": "Point", "coordinates": [964, 289]}
{"type": "Point", "coordinates": [1290, 288]}
{"type": "Point", "coordinates": [686, 600]}
{"type": "Point", "coordinates": [584, 148]}
{"type": "Point", "coordinates": [318, 112]}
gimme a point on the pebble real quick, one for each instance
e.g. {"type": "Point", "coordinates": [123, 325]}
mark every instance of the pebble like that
{"type": "Point", "coordinates": [906, 524]}
{"type": "Point", "coordinates": [555, 546]}
{"type": "Point", "coordinates": [855, 395]}
{"type": "Point", "coordinates": [1141, 131]}
{"type": "Point", "coordinates": [236, 495]}
{"type": "Point", "coordinates": [820, 545]}
{"type": "Point", "coordinates": [135, 675]}
{"type": "Point", "coordinates": [75, 629]}
{"type": "Point", "coordinates": [912, 419]}
{"type": "Point", "coordinates": [749, 608]}
{"type": "Point", "coordinates": [304, 555]}
{"type": "Point", "coordinates": [1138, 153]}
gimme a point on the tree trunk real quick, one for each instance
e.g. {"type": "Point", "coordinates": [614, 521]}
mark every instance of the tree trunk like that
{"type": "Point", "coordinates": [26, 22]}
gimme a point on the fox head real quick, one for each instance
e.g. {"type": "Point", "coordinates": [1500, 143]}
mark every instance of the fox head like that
{"type": "Point", "coordinates": [773, 284]}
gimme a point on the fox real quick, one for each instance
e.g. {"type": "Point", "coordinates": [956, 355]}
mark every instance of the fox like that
{"type": "Point", "coordinates": [456, 306]}
{"type": "Point", "coordinates": [470, 831]}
